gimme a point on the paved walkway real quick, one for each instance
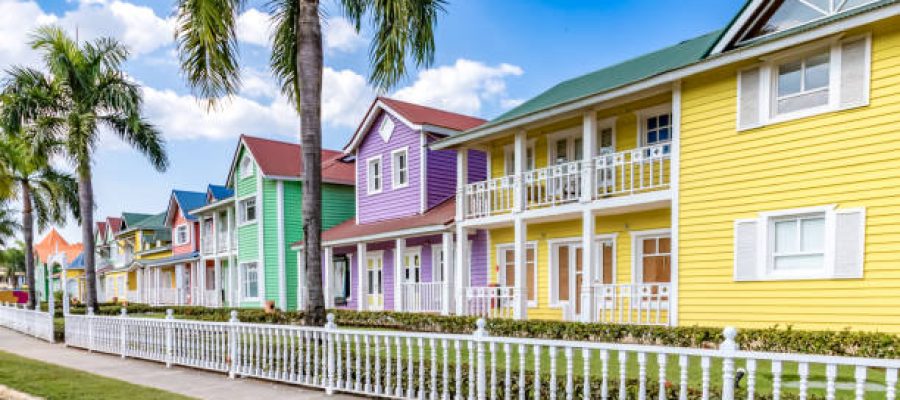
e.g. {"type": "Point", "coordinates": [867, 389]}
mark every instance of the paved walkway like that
{"type": "Point", "coordinates": [185, 381]}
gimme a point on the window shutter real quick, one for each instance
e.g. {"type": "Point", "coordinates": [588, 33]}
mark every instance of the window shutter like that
{"type": "Point", "coordinates": [854, 76]}
{"type": "Point", "coordinates": [748, 98]}
{"type": "Point", "coordinates": [745, 250]}
{"type": "Point", "coordinates": [850, 233]}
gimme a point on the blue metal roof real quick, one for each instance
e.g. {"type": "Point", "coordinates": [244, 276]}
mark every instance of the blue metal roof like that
{"type": "Point", "coordinates": [78, 262]}
{"type": "Point", "coordinates": [220, 192]}
{"type": "Point", "coordinates": [189, 201]}
{"type": "Point", "coordinates": [194, 255]}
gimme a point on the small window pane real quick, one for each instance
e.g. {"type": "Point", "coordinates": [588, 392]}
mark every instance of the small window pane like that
{"type": "Point", "coordinates": [802, 102]}
{"type": "Point", "coordinates": [606, 139]}
{"type": "Point", "coordinates": [799, 262]}
{"type": "Point", "coordinates": [789, 81]}
{"type": "Point", "coordinates": [786, 236]}
{"type": "Point", "coordinates": [813, 234]}
{"type": "Point", "coordinates": [816, 74]}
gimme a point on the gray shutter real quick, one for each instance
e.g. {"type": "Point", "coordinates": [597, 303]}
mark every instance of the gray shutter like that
{"type": "Point", "coordinates": [748, 98]}
{"type": "Point", "coordinates": [745, 254]}
{"type": "Point", "coordinates": [854, 73]}
{"type": "Point", "coordinates": [850, 233]}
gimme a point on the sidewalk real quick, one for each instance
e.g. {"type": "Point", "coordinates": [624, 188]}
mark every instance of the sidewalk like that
{"type": "Point", "coordinates": [185, 381]}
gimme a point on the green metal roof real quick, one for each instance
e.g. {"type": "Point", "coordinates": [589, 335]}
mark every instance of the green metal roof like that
{"type": "Point", "coordinates": [133, 218]}
{"type": "Point", "coordinates": [157, 221]}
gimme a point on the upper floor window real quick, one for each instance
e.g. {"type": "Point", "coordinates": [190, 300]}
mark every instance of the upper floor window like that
{"type": "Point", "coordinates": [247, 210]}
{"type": "Point", "coordinates": [802, 83]}
{"type": "Point", "coordinates": [182, 236]}
{"type": "Point", "coordinates": [657, 129]}
{"type": "Point", "coordinates": [245, 169]}
{"type": "Point", "coordinates": [400, 168]}
{"type": "Point", "coordinates": [373, 175]}
{"type": "Point", "coordinates": [509, 159]}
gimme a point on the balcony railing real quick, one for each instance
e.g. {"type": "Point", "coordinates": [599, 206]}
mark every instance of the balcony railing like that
{"type": "Point", "coordinates": [133, 296]}
{"type": "Point", "coordinates": [422, 296]}
{"type": "Point", "coordinates": [638, 303]}
{"type": "Point", "coordinates": [490, 302]}
{"type": "Point", "coordinates": [211, 298]}
{"type": "Point", "coordinates": [625, 173]}
{"type": "Point", "coordinates": [207, 244]}
{"type": "Point", "coordinates": [221, 241]}
{"type": "Point", "coordinates": [168, 296]}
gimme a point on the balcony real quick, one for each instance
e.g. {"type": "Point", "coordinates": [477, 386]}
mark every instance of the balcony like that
{"type": "Point", "coordinates": [626, 173]}
{"type": "Point", "coordinates": [206, 242]}
{"type": "Point", "coordinates": [222, 241]}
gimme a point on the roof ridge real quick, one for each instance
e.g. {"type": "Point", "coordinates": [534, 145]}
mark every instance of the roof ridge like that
{"type": "Point", "coordinates": [246, 136]}
{"type": "Point", "coordinates": [429, 107]}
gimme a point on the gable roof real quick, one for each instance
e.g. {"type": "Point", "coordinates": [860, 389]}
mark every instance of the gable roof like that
{"type": "Point", "coordinates": [186, 201]}
{"type": "Point", "coordinates": [218, 192]}
{"type": "Point", "coordinates": [101, 230]}
{"type": "Point", "coordinates": [54, 243]}
{"type": "Point", "coordinates": [130, 218]}
{"type": "Point", "coordinates": [114, 224]}
{"type": "Point", "coordinates": [279, 159]}
{"type": "Point", "coordinates": [150, 222]}
{"type": "Point", "coordinates": [416, 116]}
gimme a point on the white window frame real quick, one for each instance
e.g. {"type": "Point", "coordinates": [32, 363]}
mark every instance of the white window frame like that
{"type": "Point", "coordinates": [245, 167]}
{"type": "Point", "coordinates": [411, 251]}
{"type": "Point", "coordinates": [241, 211]}
{"type": "Point", "coordinates": [509, 157]}
{"type": "Point", "coordinates": [569, 135]}
{"type": "Point", "coordinates": [644, 114]}
{"type": "Point", "coordinates": [637, 251]}
{"type": "Point", "coordinates": [553, 266]}
{"type": "Point", "coordinates": [387, 124]}
{"type": "Point", "coordinates": [379, 254]}
{"type": "Point", "coordinates": [241, 280]}
{"type": "Point", "coordinates": [370, 174]}
{"type": "Point", "coordinates": [500, 252]}
{"type": "Point", "coordinates": [395, 172]}
{"type": "Point", "coordinates": [768, 75]}
{"type": "Point", "coordinates": [437, 262]}
{"type": "Point", "coordinates": [347, 276]}
{"type": "Point", "coordinates": [187, 234]}
{"type": "Point", "coordinates": [766, 244]}
{"type": "Point", "coordinates": [607, 123]}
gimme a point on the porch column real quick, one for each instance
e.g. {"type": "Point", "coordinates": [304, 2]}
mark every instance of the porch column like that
{"type": "Point", "coordinates": [461, 268]}
{"type": "Point", "coordinates": [140, 292]}
{"type": "Point", "coordinates": [233, 270]}
{"type": "Point", "coordinates": [302, 292]}
{"type": "Point", "coordinates": [462, 179]}
{"type": "Point", "coordinates": [589, 148]}
{"type": "Point", "coordinates": [520, 157]}
{"type": "Point", "coordinates": [361, 270]}
{"type": "Point", "coordinates": [217, 279]}
{"type": "Point", "coordinates": [179, 284]}
{"type": "Point", "coordinates": [328, 277]}
{"type": "Point", "coordinates": [447, 252]}
{"type": "Point", "coordinates": [158, 284]}
{"type": "Point", "coordinates": [125, 288]}
{"type": "Point", "coordinates": [399, 251]}
{"type": "Point", "coordinates": [588, 255]}
{"type": "Point", "coordinates": [520, 308]}
{"type": "Point", "coordinates": [214, 233]}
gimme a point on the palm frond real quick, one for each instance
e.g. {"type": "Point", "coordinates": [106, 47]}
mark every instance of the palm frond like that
{"type": "Point", "coordinates": [207, 46]}
{"type": "Point", "coordinates": [283, 59]}
{"type": "Point", "coordinates": [142, 136]}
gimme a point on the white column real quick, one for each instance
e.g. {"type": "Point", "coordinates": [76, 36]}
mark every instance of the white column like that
{"type": "Point", "coordinates": [461, 266]}
{"type": "Point", "coordinates": [179, 284]}
{"type": "Point", "coordinates": [399, 251]}
{"type": "Point", "coordinates": [217, 277]}
{"type": "Point", "coordinates": [138, 275]}
{"type": "Point", "coordinates": [675, 179]}
{"type": "Point", "coordinates": [520, 230]}
{"type": "Point", "coordinates": [361, 283]}
{"type": "Point", "coordinates": [588, 254]}
{"type": "Point", "coordinates": [520, 157]}
{"type": "Point", "coordinates": [65, 290]}
{"type": "Point", "coordinates": [233, 270]}
{"type": "Point", "coordinates": [447, 250]}
{"type": "Point", "coordinates": [301, 278]}
{"type": "Point", "coordinates": [125, 289]}
{"type": "Point", "coordinates": [462, 178]}
{"type": "Point", "coordinates": [328, 276]}
{"type": "Point", "coordinates": [589, 148]}
{"type": "Point", "coordinates": [230, 232]}
{"type": "Point", "coordinates": [214, 233]}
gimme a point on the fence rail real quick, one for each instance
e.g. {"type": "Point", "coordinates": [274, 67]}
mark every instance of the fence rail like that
{"type": "Point", "coordinates": [422, 296]}
{"type": "Point", "coordinates": [427, 365]}
{"type": "Point", "coordinates": [30, 322]}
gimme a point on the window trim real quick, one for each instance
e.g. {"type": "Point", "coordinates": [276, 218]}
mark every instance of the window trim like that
{"type": "Point", "coordinates": [364, 296]}
{"type": "Point", "coordinates": [501, 251]}
{"type": "Point", "coordinates": [386, 137]}
{"type": "Point", "coordinates": [569, 135]}
{"type": "Point", "coordinates": [241, 221]}
{"type": "Point", "coordinates": [765, 245]}
{"type": "Point", "coordinates": [601, 125]}
{"type": "Point", "coordinates": [637, 258]}
{"type": "Point", "coordinates": [437, 251]}
{"type": "Point", "coordinates": [243, 171]}
{"type": "Point", "coordinates": [654, 111]}
{"type": "Point", "coordinates": [508, 153]}
{"type": "Point", "coordinates": [187, 232]}
{"type": "Point", "coordinates": [241, 281]}
{"type": "Point", "coordinates": [395, 171]}
{"type": "Point", "coordinates": [369, 188]}
{"type": "Point", "coordinates": [414, 251]}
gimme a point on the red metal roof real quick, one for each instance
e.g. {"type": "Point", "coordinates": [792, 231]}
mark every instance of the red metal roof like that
{"type": "Point", "coordinates": [422, 115]}
{"type": "Point", "coordinates": [441, 214]}
{"type": "Point", "coordinates": [277, 158]}
{"type": "Point", "coordinates": [101, 230]}
{"type": "Point", "coordinates": [115, 224]}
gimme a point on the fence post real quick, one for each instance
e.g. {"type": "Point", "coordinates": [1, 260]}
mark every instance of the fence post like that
{"type": "Point", "coordinates": [481, 373]}
{"type": "Point", "coordinates": [233, 344]}
{"type": "Point", "coordinates": [169, 317]}
{"type": "Point", "coordinates": [122, 334]}
{"type": "Point", "coordinates": [51, 313]}
{"type": "Point", "coordinates": [90, 321]}
{"type": "Point", "coordinates": [330, 328]}
{"type": "Point", "coordinates": [728, 347]}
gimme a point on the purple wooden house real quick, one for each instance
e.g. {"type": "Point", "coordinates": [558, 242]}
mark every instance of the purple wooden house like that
{"type": "Point", "coordinates": [398, 252]}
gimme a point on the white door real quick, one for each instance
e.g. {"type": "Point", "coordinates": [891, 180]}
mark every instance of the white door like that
{"type": "Point", "coordinates": [375, 289]}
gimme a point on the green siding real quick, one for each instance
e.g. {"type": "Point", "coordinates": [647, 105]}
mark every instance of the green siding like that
{"type": "Point", "coordinates": [338, 204]}
{"type": "Point", "coordinates": [293, 232]}
{"type": "Point", "coordinates": [270, 239]}
{"type": "Point", "coordinates": [248, 242]}
{"type": "Point", "coordinates": [244, 186]}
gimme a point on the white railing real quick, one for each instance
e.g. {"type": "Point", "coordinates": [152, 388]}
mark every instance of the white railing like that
{"type": "Point", "coordinates": [133, 296]}
{"type": "Point", "coordinates": [490, 302]}
{"type": "Point", "coordinates": [211, 298]}
{"type": "Point", "coordinates": [625, 173]}
{"type": "Point", "coordinates": [422, 296]}
{"type": "Point", "coordinates": [207, 244]}
{"type": "Point", "coordinates": [222, 241]}
{"type": "Point", "coordinates": [478, 366]}
{"type": "Point", "coordinates": [633, 303]}
{"type": "Point", "coordinates": [30, 322]}
{"type": "Point", "coordinates": [168, 296]}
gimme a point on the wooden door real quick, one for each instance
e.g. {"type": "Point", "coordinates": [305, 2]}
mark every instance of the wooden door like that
{"type": "Point", "coordinates": [606, 261]}
{"type": "Point", "coordinates": [509, 266]}
{"type": "Point", "coordinates": [657, 260]}
{"type": "Point", "coordinates": [579, 278]}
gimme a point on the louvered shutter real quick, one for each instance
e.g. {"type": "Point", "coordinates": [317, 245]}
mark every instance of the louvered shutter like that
{"type": "Point", "coordinates": [745, 250]}
{"type": "Point", "coordinates": [748, 98]}
{"type": "Point", "coordinates": [850, 232]}
{"type": "Point", "coordinates": [854, 68]}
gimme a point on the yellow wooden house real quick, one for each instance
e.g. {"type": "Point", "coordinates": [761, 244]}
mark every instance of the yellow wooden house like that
{"type": "Point", "coordinates": [141, 239]}
{"type": "Point", "coordinates": [745, 177]}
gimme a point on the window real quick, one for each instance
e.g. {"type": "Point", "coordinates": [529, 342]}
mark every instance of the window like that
{"type": "Point", "coordinates": [374, 288]}
{"type": "Point", "coordinates": [245, 169]}
{"type": "Point", "coordinates": [828, 76]}
{"type": "Point", "coordinates": [656, 128]}
{"type": "Point", "coordinates": [400, 168]}
{"type": "Point", "coordinates": [792, 13]}
{"type": "Point", "coordinates": [386, 129]}
{"type": "Point", "coordinates": [654, 257]}
{"type": "Point", "coordinates": [606, 140]}
{"type": "Point", "coordinates": [808, 243]}
{"type": "Point", "coordinates": [247, 210]}
{"type": "Point", "coordinates": [507, 272]}
{"type": "Point", "coordinates": [509, 162]}
{"type": "Point", "coordinates": [182, 236]}
{"type": "Point", "coordinates": [565, 147]}
{"type": "Point", "coordinates": [412, 266]}
{"type": "Point", "coordinates": [341, 281]}
{"type": "Point", "coordinates": [437, 261]}
{"type": "Point", "coordinates": [373, 175]}
{"type": "Point", "coordinates": [249, 281]}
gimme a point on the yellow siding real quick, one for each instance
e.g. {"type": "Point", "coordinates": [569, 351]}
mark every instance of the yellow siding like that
{"type": "Point", "coordinates": [847, 158]}
{"type": "Point", "coordinates": [621, 225]}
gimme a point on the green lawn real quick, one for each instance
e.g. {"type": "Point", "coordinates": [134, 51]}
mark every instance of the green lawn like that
{"type": "Point", "coordinates": [53, 382]}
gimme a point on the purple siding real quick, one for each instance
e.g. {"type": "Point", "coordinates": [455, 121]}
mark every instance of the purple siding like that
{"type": "Point", "coordinates": [390, 203]}
{"type": "Point", "coordinates": [441, 173]}
{"type": "Point", "coordinates": [478, 274]}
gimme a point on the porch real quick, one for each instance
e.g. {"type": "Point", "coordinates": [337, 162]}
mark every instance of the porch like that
{"type": "Point", "coordinates": [188, 283]}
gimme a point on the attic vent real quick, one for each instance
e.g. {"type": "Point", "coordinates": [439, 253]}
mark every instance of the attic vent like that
{"type": "Point", "coordinates": [386, 128]}
{"type": "Point", "coordinates": [786, 14]}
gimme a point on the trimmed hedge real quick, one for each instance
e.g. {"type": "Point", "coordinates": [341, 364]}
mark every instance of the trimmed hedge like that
{"type": "Point", "coordinates": [775, 339]}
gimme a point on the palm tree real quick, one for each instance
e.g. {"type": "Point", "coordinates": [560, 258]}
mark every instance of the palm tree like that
{"type": "Point", "coordinates": [12, 258]}
{"type": "Point", "coordinates": [84, 90]}
{"type": "Point", "coordinates": [45, 193]}
{"type": "Point", "coordinates": [208, 52]}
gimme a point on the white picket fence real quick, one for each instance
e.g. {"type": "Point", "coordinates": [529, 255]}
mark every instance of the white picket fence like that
{"type": "Point", "coordinates": [479, 366]}
{"type": "Point", "coordinates": [30, 322]}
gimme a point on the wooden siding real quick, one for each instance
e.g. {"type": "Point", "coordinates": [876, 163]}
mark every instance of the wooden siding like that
{"type": "Point", "coordinates": [846, 158]}
{"type": "Point", "coordinates": [270, 241]}
{"type": "Point", "coordinates": [441, 173]}
{"type": "Point", "coordinates": [293, 231]}
{"type": "Point", "coordinates": [193, 232]}
{"type": "Point", "coordinates": [404, 201]}
{"type": "Point", "coordinates": [244, 186]}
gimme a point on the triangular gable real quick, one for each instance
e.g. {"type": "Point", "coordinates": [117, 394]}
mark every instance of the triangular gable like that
{"type": "Point", "coordinates": [241, 145]}
{"type": "Point", "coordinates": [761, 18]}
{"type": "Point", "coordinates": [183, 201]}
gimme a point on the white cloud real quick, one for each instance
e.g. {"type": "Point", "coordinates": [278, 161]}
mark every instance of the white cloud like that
{"type": "Point", "coordinates": [339, 35]}
{"type": "Point", "coordinates": [462, 87]}
{"type": "Point", "coordinates": [345, 97]}
{"type": "Point", "coordinates": [17, 19]}
{"type": "Point", "coordinates": [254, 27]}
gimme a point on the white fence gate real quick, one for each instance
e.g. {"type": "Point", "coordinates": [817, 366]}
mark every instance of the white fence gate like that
{"type": "Point", "coordinates": [30, 322]}
{"type": "Point", "coordinates": [479, 366]}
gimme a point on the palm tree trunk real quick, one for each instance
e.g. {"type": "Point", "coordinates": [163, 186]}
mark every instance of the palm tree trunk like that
{"type": "Point", "coordinates": [86, 206]}
{"type": "Point", "coordinates": [309, 70]}
{"type": "Point", "coordinates": [28, 232]}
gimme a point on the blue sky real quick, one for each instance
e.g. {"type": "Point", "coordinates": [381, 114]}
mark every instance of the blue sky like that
{"type": "Point", "coordinates": [491, 55]}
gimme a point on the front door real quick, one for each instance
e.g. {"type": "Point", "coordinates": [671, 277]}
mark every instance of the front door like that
{"type": "Point", "coordinates": [570, 276]}
{"type": "Point", "coordinates": [412, 267]}
{"type": "Point", "coordinates": [375, 292]}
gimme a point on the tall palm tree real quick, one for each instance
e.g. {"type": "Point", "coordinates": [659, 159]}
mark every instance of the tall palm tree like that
{"type": "Point", "coordinates": [84, 90]}
{"type": "Point", "coordinates": [12, 258]}
{"type": "Point", "coordinates": [208, 51]}
{"type": "Point", "coordinates": [45, 193]}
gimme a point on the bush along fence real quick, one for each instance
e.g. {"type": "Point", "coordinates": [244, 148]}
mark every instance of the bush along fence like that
{"type": "Point", "coordinates": [397, 364]}
{"type": "Point", "coordinates": [30, 322]}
